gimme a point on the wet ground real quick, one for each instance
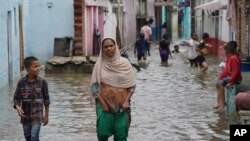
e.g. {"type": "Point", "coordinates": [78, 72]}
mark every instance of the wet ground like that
{"type": "Point", "coordinates": [171, 103]}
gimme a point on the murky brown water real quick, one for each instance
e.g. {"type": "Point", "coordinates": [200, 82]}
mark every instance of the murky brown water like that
{"type": "Point", "coordinates": [170, 104]}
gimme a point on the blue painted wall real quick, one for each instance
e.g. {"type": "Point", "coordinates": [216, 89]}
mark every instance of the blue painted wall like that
{"type": "Point", "coordinates": [186, 23]}
{"type": "Point", "coordinates": [44, 23]}
{"type": "Point", "coordinates": [41, 24]}
{"type": "Point", "coordinates": [12, 7]}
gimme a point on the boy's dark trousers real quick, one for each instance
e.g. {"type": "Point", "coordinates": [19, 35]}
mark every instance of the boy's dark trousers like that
{"type": "Point", "coordinates": [31, 133]}
{"type": "Point", "coordinates": [143, 55]}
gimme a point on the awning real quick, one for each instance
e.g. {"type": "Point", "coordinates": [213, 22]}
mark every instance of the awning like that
{"type": "Point", "coordinates": [213, 5]}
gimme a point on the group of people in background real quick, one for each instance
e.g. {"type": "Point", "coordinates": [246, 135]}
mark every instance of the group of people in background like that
{"type": "Point", "coordinates": [196, 54]}
{"type": "Point", "coordinates": [231, 72]}
{"type": "Point", "coordinates": [142, 45]}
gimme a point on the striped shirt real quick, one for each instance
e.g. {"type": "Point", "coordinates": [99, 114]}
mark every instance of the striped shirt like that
{"type": "Point", "coordinates": [32, 97]}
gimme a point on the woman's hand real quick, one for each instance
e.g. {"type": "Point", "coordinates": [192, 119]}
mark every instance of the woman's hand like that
{"type": "Point", "coordinates": [125, 105]}
{"type": "Point", "coordinates": [105, 107]}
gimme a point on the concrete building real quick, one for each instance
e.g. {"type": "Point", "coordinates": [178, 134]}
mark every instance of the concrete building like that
{"type": "Point", "coordinates": [9, 41]}
{"type": "Point", "coordinates": [112, 18]}
{"type": "Point", "coordinates": [43, 21]}
{"type": "Point", "coordinates": [129, 22]}
{"type": "Point", "coordinates": [173, 17]}
{"type": "Point", "coordinates": [223, 24]}
{"type": "Point", "coordinates": [184, 19]}
{"type": "Point", "coordinates": [145, 9]}
{"type": "Point", "coordinates": [210, 17]}
{"type": "Point", "coordinates": [28, 28]}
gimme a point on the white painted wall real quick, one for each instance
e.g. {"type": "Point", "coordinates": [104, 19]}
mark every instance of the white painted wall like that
{"type": "Point", "coordinates": [225, 30]}
{"type": "Point", "coordinates": [174, 25]}
{"type": "Point", "coordinates": [130, 22]}
{"type": "Point", "coordinates": [209, 23]}
{"type": "Point", "coordinates": [110, 19]}
{"type": "Point", "coordinates": [110, 25]}
{"type": "Point", "coordinates": [151, 9]}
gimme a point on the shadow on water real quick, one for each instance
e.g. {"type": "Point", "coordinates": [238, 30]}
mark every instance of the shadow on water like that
{"type": "Point", "coordinates": [171, 103]}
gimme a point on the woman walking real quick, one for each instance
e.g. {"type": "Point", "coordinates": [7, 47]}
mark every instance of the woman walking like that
{"type": "Point", "coordinates": [112, 85]}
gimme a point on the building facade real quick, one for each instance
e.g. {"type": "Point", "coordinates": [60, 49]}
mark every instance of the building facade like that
{"type": "Point", "coordinates": [28, 28]}
{"type": "Point", "coordinates": [9, 41]}
{"type": "Point", "coordinates": [210, 17]}
{"type": "Point", "coordinates": [43, 22]}
{"type": "Point", "coordinates": [96, 19]}
{"type": "Point", "coordinates": [224, 20]}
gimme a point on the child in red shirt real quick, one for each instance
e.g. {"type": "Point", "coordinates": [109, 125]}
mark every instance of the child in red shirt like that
{"type": "Point", "coordinates": [230, 75]}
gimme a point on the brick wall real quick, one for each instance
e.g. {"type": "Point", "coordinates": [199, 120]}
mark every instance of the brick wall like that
{"type": "Point", "coordinates": [79, 33]}
{"type": "Point", "coordinates": [242, 27]}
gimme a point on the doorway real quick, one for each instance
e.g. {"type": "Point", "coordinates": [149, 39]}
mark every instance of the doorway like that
{"type": "Point", "coordinates": [9, 39]}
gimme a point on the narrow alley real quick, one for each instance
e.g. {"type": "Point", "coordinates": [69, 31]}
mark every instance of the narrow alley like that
{"type": "Point", "coordinates": [170, 104]}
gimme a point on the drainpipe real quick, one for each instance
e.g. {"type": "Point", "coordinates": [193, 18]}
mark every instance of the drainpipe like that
{"type": "Point", "coordinates": [118, 1]}
{"type": "Point", "coordinates": [118, 23]}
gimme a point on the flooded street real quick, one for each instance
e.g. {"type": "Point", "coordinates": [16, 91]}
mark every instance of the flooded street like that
{"type": "Point", "coordinates": [170, 104]}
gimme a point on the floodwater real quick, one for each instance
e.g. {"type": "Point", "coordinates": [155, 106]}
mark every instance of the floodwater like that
{"type": "Point", "coordinates": [171, 103]}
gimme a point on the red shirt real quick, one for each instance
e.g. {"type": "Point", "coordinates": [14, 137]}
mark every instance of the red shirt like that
{"type": "Point", "coordinates": [232, 69]}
